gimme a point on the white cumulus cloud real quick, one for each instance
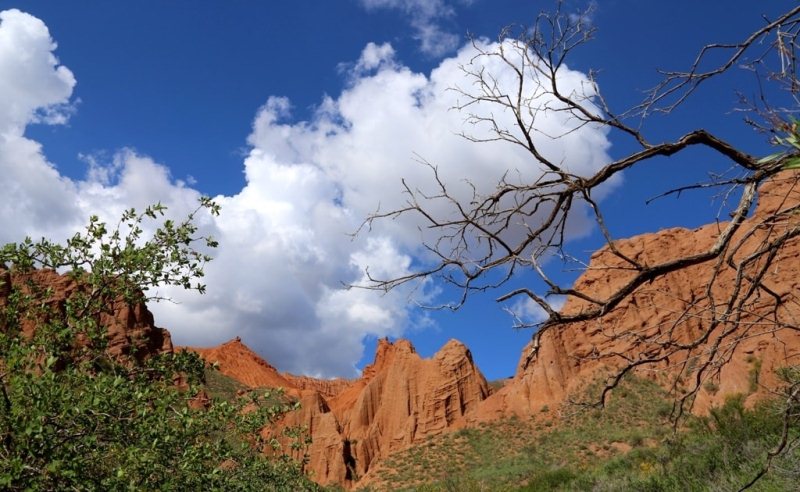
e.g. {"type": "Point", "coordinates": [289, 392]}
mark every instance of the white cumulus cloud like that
{"type": "Point", "coordinates": [285, 243]}
{"type": "Point", "coordinates": [33, 86]}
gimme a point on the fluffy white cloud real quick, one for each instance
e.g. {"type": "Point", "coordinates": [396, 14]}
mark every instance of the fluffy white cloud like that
{"type": "Point", "coordinates": [372, 58]}
{"type": "Point", "coordinates": [285, 238]}
{"type": "Point", "coordinates": [285, 244]}
{"type": "Point", "coordinates": [34, 86]}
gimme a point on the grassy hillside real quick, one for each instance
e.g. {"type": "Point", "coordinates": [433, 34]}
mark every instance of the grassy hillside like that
{"type": "Point", "coordinates": [630, 445]}
{"type": "Point", "coordinates": [221, 386]}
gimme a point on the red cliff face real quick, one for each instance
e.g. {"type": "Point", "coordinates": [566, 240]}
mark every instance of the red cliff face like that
{"type": "Point", "coordinates": [131, 329]}
{"type": "Point", "coordinates": [237, 361]}
{"type": "Point", "coordinates": [403, 398]}
{"type": "Point", "coordinates": [325, 387]}
{"type": "Point", "coordinates": [572, 354]}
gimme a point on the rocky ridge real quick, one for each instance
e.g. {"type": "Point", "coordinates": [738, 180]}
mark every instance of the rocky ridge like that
{"type": "Point", "coordinates": [567, 355]}
{"type": "Point", "coordinates": [325, 387]}
{"type": "Point", "coordinates": [236, 360]}
{"type": "Point", "coordinates": [131, 329]}
{"type": "Point", "coordinates": [401, 398]}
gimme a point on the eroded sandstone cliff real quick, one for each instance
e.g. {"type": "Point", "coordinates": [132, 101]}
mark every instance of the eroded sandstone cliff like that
{"type": "Point", "coordinates": [130, 328]}
{"type": "Point", "coordinates": [400, 399]}
{"type": "Point", "coordinates": [237, 361]}
{"type": "Point", "coordinates": [675, 309]}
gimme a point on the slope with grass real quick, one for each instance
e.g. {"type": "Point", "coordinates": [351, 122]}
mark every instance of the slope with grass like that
{"type": "Point", "coordinates": [630, 445]}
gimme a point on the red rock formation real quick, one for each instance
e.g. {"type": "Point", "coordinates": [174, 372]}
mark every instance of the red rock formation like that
{"type": "Point", "coordinates": [328, 457]}
{"type": "Point", "coordinates": [406, 398]}
{"type": "Point", "coordinates": [325, 387]}
{"type": "Point", "coordinates": [567, 356]}
{"type": "Point", "coordinates": [237, 361]}
{"type": "Point", "coordinates": [131, 329]}
{"type": "Point", "coordinates": [399, 400]}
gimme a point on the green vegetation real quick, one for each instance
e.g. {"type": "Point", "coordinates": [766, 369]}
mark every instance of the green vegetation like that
{"type": "Point", "coordinates": [221, 386]}
{"type": "Point", "coordinates": [752, 375]}
{"type": "Point", "coordinates": [787, 136]}
{"type": "Point", "coordinates": [74, 418]}
{"type": "Point", "coordinates": [629, 445]}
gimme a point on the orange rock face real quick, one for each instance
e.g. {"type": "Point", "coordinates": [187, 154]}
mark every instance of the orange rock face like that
{"type": "Point", "coordinates": [131, 329]}
{"type": "Point", "coordinates": [403, 398]}
{"type": "Point", "coordinates": [674, 310]}
{"type": "Point", "coordinates": [237, 361]}
{"type": "Point", "coordinates": [325, 387]}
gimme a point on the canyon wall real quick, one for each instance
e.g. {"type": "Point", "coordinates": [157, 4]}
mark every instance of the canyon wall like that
{"type": "Point", "coordinates": [674, 311]}
{"type": "Point", "coordinates": [131, 329]}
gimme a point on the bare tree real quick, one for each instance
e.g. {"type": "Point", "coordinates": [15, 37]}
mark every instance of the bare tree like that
{"type": "Point", "coordinates": [485, 240]}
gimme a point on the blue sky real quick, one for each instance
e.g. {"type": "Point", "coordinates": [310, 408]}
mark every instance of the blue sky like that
{"type": "Point", "coordinates": [298, 116]}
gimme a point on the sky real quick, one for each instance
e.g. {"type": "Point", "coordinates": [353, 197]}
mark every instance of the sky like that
{"type": "Point", "coordinates": [301, 118]}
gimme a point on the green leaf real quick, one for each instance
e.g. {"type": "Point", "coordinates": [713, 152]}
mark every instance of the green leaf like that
{"type": "Point", "coordinates": [793, 163]}
{"type": "Point", "coordinates": [769, 158]}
